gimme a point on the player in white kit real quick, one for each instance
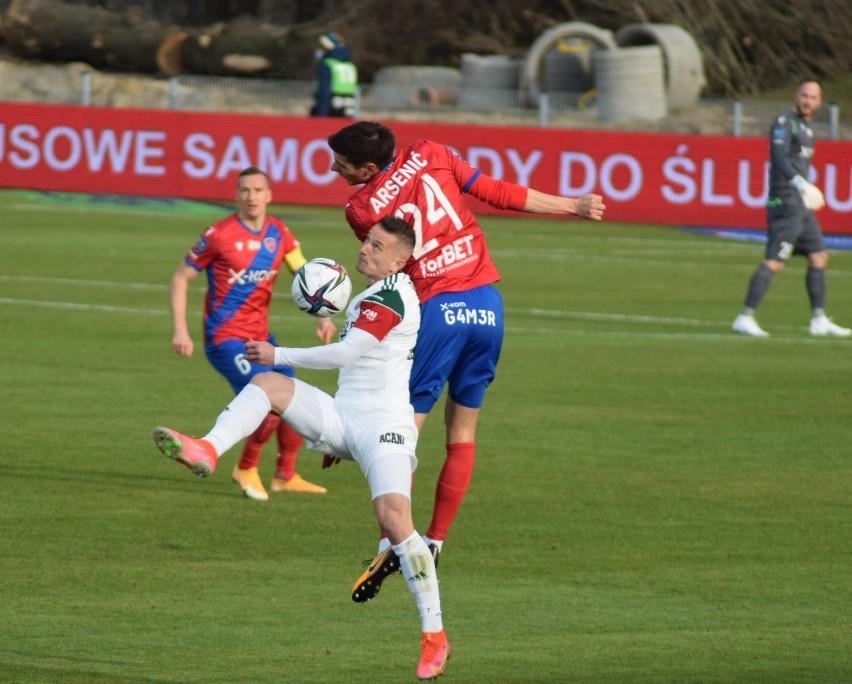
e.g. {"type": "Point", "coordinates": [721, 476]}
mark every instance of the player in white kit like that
{"type": "Point", "coordinates": [369, 420]}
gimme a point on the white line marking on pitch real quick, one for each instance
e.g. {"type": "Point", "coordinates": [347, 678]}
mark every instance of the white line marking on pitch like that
{"type": "Point", "coordinates": [77, 306]}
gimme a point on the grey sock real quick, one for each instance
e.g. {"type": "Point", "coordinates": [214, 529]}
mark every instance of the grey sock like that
{"type": "Point", "coordinates": [757, 286]}
{"type": "Point", "coordinates": [815, 282]}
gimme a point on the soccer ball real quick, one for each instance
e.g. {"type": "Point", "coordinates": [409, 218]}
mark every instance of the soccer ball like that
{"type": "Point", "coordinates": [321, 288]}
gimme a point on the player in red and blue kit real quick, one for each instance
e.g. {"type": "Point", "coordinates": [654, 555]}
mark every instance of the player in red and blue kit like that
{"type": "Point", "coordinates": [242, 255]}
{"type": "Point", "coordinates": [461, 330]}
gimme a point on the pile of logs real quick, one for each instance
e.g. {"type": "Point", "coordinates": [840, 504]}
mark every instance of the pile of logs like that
{"type": "Point", "coordinates": [747, 46]}
{"type": "Point", "coordinates": [52, 30]}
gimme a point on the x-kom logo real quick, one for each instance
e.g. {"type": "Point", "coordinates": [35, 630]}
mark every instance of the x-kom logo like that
{"type": "Point", "coordinates": [246, 277]}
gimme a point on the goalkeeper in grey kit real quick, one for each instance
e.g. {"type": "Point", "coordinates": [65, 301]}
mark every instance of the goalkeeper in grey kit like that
{"type": "Point", "coordinates": [792, 225]}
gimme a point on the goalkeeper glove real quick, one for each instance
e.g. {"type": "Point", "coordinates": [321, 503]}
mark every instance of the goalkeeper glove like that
{"type": "Point", "coordinates": [811, 195]}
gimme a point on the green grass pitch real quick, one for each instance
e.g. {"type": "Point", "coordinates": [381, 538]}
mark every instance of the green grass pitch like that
{"type": "Point", "coordinates": [655, 499]}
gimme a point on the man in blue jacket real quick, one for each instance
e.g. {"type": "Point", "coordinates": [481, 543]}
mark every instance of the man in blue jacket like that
{"type": "Point", "coordinates": [337, 78]}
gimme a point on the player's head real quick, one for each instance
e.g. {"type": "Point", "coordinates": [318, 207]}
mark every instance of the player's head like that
{"type": "Point", "coordinates": [253, 193]}
{"type": "Point", "coordinates": [808, 97]}
{"type": "Point", "coordinates": [386, 249]}
{"type": "Point", "coordinates": [329, 41]}
{"type": "Point", "coordinates": [404, 233]}
{"type": "Point", "coordinates": [361, 150]}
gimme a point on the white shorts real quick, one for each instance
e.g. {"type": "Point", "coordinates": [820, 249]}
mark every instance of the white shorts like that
{"type": "Point", "coordinates": [384, 444]}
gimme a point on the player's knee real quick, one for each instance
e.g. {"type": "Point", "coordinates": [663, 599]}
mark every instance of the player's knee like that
{"type": "Point", "coordinates": [264, 380]}
{"type": "Point", "coordinates": [278, 387]}
{"type": "Point", "coordinates": [818, 259]}
{"type": "Point", "coordinates": [393, 513]}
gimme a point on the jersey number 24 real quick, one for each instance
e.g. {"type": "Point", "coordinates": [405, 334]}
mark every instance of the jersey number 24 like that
{"type": "Point", "coordinates": [438, 207]}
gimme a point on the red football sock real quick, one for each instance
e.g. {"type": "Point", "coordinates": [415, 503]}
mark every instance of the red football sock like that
{"type": "Point", "coordinates": [289, 443]}
{"type": "Point", "coordinates": [255, 441]}
{"type": "Point", "coordinates": [451, 488]}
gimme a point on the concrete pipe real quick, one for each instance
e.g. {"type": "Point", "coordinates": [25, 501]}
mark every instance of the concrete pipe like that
{"type": "Point", "coordinates": [630, 84]}
{"type": "Point", "coordinates": [406, 86]}
{"type": "Point", "coordinates": [683, 63]}
{"type": "Point", "coordinates": [488, 81]}
{"type": "Point", "coordinates": [561, 59]}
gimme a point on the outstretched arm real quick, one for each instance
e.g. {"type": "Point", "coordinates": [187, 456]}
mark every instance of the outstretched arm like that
{"type": "Point", "coordinates": [336, 355]}
{"type": "Point", "coordinates": [505, 195]}
{"type": "Point", "coordinates": [589, 206]}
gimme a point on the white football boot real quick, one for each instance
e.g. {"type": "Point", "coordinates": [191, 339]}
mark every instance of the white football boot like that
{"type": "Point", "coordinates": [746, 325]}
{"type": "Point", "coordinates": [821, 326]}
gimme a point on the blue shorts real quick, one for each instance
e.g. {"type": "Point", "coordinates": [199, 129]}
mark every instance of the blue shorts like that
{"type": "Point", "coordinates": [229, 358]}
{"type": "Point", "coordinates": [459, 343]}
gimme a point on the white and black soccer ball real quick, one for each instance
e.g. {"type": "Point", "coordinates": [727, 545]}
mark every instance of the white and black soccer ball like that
{"type": "Point", "coordinates": [321, 288]}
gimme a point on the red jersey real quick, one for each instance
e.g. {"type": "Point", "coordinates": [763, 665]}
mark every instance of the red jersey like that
{"type": "Point", "coordinates": [241, 268]}
{"type": "Point", "coordinates": [425, 185]}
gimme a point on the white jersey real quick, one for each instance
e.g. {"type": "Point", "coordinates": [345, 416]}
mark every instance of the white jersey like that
{"type": "Point", "coordinates": [389, 310]}
{"type": "Point", "coordinates": [370, 418]}
{"type": "Point", "coordinates": [376, 346]}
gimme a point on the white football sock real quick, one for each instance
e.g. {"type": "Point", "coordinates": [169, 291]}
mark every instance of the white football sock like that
{"type": "Point", "coordinates": [240, 418]}
{"type": "Point", "coordinates": [418, 569]}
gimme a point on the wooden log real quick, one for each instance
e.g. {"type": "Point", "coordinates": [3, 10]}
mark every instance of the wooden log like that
{"type": "Point", "coordinates": [168, 53]}
{"type": "Point", "coordinates": [58, 31]}
{"type": "Point", "coordinates": [243, 46]}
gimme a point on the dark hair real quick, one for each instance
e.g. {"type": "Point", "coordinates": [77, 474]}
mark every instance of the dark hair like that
{"type": "Point", "coordinates": [401, 229]}
{"type": "Point", "coordinates": [808, 79]}
{"type": "Point", "coordinates": [252, 171]}
{"type": "Point", "coordinates": [364, 142]}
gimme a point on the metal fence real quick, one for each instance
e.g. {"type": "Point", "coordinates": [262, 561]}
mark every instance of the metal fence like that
{"type": "Point", "coordinates": [81, 86]}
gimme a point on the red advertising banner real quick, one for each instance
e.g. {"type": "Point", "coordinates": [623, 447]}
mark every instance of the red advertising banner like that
{"type": "Point", "coordinates": [686, 180]}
